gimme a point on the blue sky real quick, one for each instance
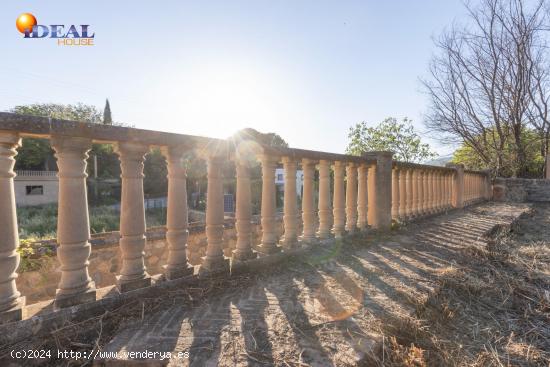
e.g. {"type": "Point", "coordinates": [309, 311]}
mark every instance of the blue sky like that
{"type": "Point", "coordinates": [307, 70]}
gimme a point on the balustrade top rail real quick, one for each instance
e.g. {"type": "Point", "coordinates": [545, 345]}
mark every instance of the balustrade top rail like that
{"type": "Point", "coordinates": [35, 173]}
{"type": "Point", "coordinates": [421, 166]}
{"type": "Point", "coordinates": [42, 127]}
{"type": "Point", "coordinates": [475, 172]}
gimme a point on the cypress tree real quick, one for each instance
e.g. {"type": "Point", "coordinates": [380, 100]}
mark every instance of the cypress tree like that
{"type": "Point", "coordinates": [107, 120]}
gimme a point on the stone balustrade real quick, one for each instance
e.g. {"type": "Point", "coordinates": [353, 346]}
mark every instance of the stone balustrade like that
{"type": "Point", "coordinates": [476, 187]}
{"type": "Point", "coordinates": [354, 194]}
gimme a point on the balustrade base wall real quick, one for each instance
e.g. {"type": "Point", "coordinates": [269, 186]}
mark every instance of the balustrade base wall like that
{"type": "Point", "coordinates": [64, 301]}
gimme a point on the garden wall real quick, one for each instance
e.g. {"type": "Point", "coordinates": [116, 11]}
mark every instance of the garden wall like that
{"type": "Point", "coordinates": [40, 284]}
{"type": "Point", "coordinates": [521, 190]}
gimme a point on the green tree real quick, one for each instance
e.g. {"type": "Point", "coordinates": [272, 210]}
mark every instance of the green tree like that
{"type": "Point", "coordinates": [75, 112]}
{"type": "Point", "coordinates": [503, 162]}
{"type": "Point", "coordinates": [269, 139]}
{"type": "Point", "coordinates": [36, 154]}
{"type": "Point", "coordinates": [107, 119]}
{"type": "Point", "coordinates": [389, 135]}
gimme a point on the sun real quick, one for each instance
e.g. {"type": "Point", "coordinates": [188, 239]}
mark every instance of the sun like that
{"type": "Point", "coordinates": [25, 22]}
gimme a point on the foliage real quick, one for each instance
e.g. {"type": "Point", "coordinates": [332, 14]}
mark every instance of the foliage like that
{"type": "Point", "coordinates": [535, 161]}
{"type": "Point", "coordinates": [40, 221]}
{"type": "Point", "coordinates": [269, 139]}
{"type": "Point", "coordinates": [30, 258]}
{"type": "Point", "coordinates": [155, 182]}
{"type": "Point", "coordinates": [36, 154]}
{"type": "Point", "coordinates": [74, 112]}
{"type": "Point", "coordinates": [389, 135]}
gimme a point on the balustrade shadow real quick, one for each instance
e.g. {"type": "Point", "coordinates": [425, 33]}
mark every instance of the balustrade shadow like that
{"type": "Point", "coordinates": [298, 319]}
{"type": "Point", "coordinates": [337, 314]}
{"type": "Point", "coordinates": [254, 329]}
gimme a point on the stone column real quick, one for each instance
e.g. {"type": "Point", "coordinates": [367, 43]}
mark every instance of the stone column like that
{"type": "Point", "coordinates": [547, 170]}
{"type": "Point", "coordinates": [269, 210]}
{"type": "Point", "coordinates": [441, 190]}
{"type": "Point", "coordinates": [290, 217]}
{"type": "Point", "coordinates": [132, 218]}
{"type": "Point", "coordinates": [426, 193]}
{"type": "Point", "coordinates": [409, 193]}
{"type": "Point", "coordinates": [339, 200]}
{"type": "Point", "coordinates": [467, 191]}
{"type": "Point", "coordinates": [395, 193]}
{"type": "Point", "coordinates": [11, 302]}
{"type": "Point", "coordinates": [380, 190]}
{"type": "Point", "coordinates": [308, 208]}
{"type": "Point", "coordinates": [450, 189]}
{"type": "Point", "coordinates": [488, 186]}
{"type": "Point", "coordinates": [351, 197]}
{"type": "Point", "coordinates": [457, 200]}
{"type": "Point", "coordinates": [177, 219]}
{"type": "Point", "coordinates": [420, 183]}
{"type": "Point", "coordinates": [362, 197]}
{"type": "Point", "coordinates": [214, 261]}
{"type": "Point", "coordinates": [243, 213]}
{"type": "Point", "coordinates": [73, 224]}
{"type": "Point", "coordinates": [325, 210]}
{"type": "Point", "coordinates": [402, 193]}
{"type": "Point", "coordinates": [430, 191]}
{"type": "Point", "coordinates": [415, 201]}
{"type": "Point", "coordinates": [446, 190]}
{"type": "Point", "coordinates": [437, 187]}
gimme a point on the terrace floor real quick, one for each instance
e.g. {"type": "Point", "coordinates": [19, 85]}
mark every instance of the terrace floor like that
{"type": "Point", "coordinates": [333, 308]}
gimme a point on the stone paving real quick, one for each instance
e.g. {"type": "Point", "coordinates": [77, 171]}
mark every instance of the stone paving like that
{"type": "Point", "coordinates": [322, 310]}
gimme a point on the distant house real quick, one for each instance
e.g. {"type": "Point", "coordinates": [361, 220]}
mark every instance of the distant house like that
{"type": "Point", "coordinates": [280, 180]}
{"type": "Point", "coordinates": [36, 187]}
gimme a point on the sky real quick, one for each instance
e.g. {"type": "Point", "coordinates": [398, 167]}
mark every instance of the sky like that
{"type": "Point", "coordinates": [307, 70]}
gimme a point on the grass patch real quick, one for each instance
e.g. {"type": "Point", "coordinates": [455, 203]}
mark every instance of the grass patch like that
{"type": "Point", "coordinates": [40, 222]}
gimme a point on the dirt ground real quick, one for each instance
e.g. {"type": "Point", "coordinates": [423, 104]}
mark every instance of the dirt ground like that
{"type": "Point", "coordinates": [438, 292]}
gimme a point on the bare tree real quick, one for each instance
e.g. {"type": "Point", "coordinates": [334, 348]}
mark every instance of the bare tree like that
{"type": "Point", "coordinates": [481, 84]}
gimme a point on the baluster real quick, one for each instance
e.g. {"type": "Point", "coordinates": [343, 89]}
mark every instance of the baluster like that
{"type": "Point", "coordinates": [429, 183]}
{"type": "Point", "coordinates": [11, 302]}
{"type": "Point", "coordinates": [268, 209]}
{"type": "Point", "coordinates": [290, 239]}
{"type": "Point", "coordinates": [438, 191]}
{"type": "Point", "coordinates": [395, 193]}
{"type": "Point", "coordinates": [362, 197]}
{"type": "Point", "coordinates": [421, 192]}
{"type": "Point", "coordinates": [402, 194]}
{"type": "Point", "coordinates": [308, 208]}
{"type": "Point", "coordinates": [450, 190]}
{"type": "Point", "coordinates": [325, 210]}
{"type": "Point", "coordinates": [73, 224]}
{"type": "Point", "coordinates": [133, 274]}
{"type": "Point", "coordinates": [177, 219]}
{"type": "Point", "coordinates": [243, 213]}
{"type": "Point", "coordinates": [214, 261]}
{"type": "Point", "coordinates": [409, 188]}
{"type": "Point", "coordinates": [339, 199]}
{"type": "Point", "coordinates": [415, 198]}
{"type": "Point", "coordinates": [351, 197]}
{"type": "Point", "coordinates": [426, 196]}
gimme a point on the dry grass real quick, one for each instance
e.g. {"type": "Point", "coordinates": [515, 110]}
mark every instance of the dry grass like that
{"type": "Point", "coordinates": [490, 309]}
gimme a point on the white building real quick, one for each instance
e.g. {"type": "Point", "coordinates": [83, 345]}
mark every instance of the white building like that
{"type": "Point", "coordinates": [280, 180]}
{"type": "Point", "coordinates": [36, 187]}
